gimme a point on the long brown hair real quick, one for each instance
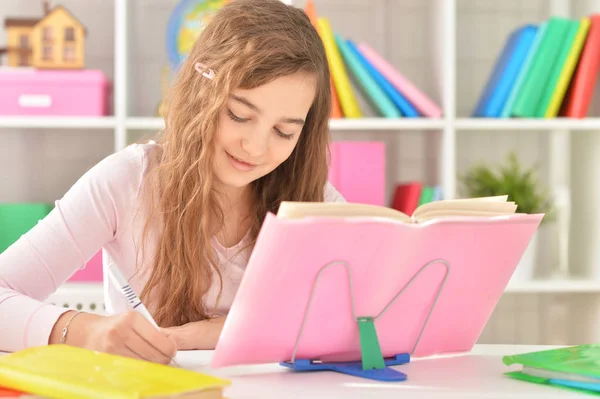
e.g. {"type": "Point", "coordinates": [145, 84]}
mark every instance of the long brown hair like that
{"type": "Point", "coordinates": [248, 43]}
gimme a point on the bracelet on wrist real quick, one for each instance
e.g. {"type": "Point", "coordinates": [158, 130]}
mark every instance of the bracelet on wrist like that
{"type": "Point", "coordinates": [65, 330]}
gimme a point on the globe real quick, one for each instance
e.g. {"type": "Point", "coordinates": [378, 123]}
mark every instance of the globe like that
{"type": "Point", "coordinates": [187, 20]}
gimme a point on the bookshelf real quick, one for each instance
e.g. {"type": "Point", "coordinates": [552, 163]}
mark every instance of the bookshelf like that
{"type": "Point", "coordinates": [555, 287]}
{"type": "Point", "coordinates": [446, 50]}
{"type": "Point", "coordinates": [443, 52]}
{"type": "Point", "coordinates": [57, 123]}
{"type": "Point", "coordinates": [336, 125]}
{"type": "Point", "coordinates": [90, 296]}
{"type": "Point", "coordinates": [548, 125]}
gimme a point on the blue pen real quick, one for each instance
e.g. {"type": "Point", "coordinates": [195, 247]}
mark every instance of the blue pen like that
{"type": "Point", "coordinates": [121, 282]}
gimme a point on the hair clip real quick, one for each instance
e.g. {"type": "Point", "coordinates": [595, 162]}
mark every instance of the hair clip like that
{"type": "Point", "coordinates": [210, 74]}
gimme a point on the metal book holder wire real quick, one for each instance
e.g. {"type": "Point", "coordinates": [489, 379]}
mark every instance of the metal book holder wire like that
{"type": "Point", "coordinates": [372, 364]}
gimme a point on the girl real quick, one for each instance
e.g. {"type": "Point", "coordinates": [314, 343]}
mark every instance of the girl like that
{"type": "Point", "coordinates": [247, 127]}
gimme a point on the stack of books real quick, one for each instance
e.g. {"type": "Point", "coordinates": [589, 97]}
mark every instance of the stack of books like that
{"type": "Point", "coordinates": [573, 367]}
{"type": "Point", "coordinates": [389, 92]}
{"type": "Point", "coordinates": [544, 71]}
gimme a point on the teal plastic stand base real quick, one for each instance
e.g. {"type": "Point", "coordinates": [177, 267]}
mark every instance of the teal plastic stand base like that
{"type": "Point", "coordinates": [355, 368]}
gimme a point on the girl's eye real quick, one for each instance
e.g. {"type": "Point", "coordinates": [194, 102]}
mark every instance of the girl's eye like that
{"type": "Point", "coordinates": [236, 118]}
{"type": "Point", "coordinates": [283, 135]}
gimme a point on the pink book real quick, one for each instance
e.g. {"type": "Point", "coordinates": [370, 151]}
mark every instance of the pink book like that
{"type": "Point", "coordinates": [357, 170]}
{"type": "Point", "coordinates": [317, 267]}
{"type": "Point", "coordinates": [419, 99]}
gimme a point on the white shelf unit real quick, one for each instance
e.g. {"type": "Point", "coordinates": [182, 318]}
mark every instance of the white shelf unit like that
{"type": "Point", "coordinates": [58, 122]}
{"type": "Point", "coordinates": [338, 125]}
{"type": "Point", "coordinates": [444, 53]}
{"type": "Point", "coordinates": [559, 286]}
{"type": "Point", "coordinates": [446, 130]}
{"type": "Point", "coordinates": [445, 65]}
{"type": "Point", "coordinates": [549, 125]}
{"type": "Point", "coordinates": [90, 296]}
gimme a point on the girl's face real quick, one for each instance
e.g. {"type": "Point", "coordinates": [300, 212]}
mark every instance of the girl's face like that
{"type": "Point", "coordinates": [259, 128]}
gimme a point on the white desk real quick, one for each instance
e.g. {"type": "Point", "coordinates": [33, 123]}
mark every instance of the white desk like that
{"type": "Point", "coordinates": [478, 374]}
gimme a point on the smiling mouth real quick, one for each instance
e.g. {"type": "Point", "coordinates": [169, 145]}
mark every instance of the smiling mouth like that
{"type": "Point", "coordinates": [241, 161]}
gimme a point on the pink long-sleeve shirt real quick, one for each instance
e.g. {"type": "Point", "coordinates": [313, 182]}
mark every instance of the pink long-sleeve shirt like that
{"type": "Point", "coordinates": [100, 211]}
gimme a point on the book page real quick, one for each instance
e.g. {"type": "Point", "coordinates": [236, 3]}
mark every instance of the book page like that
{"type": "Point", "coordinates": [484, 206]}
{"type": "Point", "coordinates": [496, 198]}
{"type": "Point", "coordinates": [296, 210]}
{"type": "Point", "coordinates": [496, 205]}
{"type": "Point", "coordinates": [441, 214]}
{"type": "Point", "coordinates": [561, 375]}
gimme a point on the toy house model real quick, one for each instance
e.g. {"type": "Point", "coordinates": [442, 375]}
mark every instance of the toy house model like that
{"type": "Point", "coordinates": [56, 41]}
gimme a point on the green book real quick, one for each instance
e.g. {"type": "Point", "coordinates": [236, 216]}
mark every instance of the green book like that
{"type": "Point", "coordinates": [427, 194]}
{"type": "Point", "coordinates": [539, 73]}
{"type": "Point", "coordinates": [557, 67]}
{"type": "Point", "coordinates": [573, 367]}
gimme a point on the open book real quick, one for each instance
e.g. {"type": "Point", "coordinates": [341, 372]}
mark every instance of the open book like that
{"type": "Point", "coordinates": [319, 269]}
{"type": "Point", "coordinates": [482, 206]}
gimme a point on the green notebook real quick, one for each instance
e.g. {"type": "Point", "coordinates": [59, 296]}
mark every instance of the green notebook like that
{"type": "Point", "coordinates": [557, 68]}
{"type": "Point", "coordinates": [539, 74]}
{"type": "Point", "coordinates": [573, 367]}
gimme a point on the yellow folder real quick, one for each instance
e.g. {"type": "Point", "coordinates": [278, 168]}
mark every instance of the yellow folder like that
{"type": "Point", "coordinates": [67, 372]}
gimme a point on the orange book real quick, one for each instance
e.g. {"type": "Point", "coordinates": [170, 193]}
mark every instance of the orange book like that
{"type": "Point", "coordinates": [10, 393]}
{"type": "Point", "coordinates": [336, 110]}
{"type": "Point", "coordinates": [581, 90]}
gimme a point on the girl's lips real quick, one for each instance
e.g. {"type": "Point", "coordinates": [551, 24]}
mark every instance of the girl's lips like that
{"type": "Point", "coordinates": [239, 164]}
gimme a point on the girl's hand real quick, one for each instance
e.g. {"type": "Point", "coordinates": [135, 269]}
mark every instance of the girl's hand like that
{"type": "Point", "coordinates": [197, 335]}
{"type": "Point", "coordinates": [128, 334]}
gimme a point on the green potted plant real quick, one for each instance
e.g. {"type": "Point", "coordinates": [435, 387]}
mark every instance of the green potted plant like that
{"type": "Point", "coordinates": [522, 186]}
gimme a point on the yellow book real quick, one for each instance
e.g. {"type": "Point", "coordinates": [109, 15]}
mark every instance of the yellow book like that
{"type": "Point", "coordinates": [569, 66]}
{"type": "Point", "coordinates": [67, 372]}
{"type": "Point", "coordinates": [342, 83]}
{"type": "Point", "coordinates": [311, 11]}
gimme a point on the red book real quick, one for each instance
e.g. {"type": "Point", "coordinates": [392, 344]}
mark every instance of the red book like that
{"type": "Point", "coordinates": [581, 90]}
{"type": "Point", "coordinates": [406, 197]}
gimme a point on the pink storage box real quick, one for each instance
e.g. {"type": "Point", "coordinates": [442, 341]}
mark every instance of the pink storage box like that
{"type": "Point", "coordinates": [27, 91]}
{"type": "Point", "coordinates": [358, 171]}
{"type": "Point", "coordinates": [92, 271]}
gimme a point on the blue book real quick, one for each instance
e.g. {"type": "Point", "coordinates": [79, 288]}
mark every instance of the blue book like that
{"type": "Point", "coordinates": [585, 385]}
{"type": "Point", "coordinates": [505, 72]}
{"type": "Point", "coordinates": [514, 91]}
{"type": "Point", "coordinates": [437, 193]}
{"type": "Point", "coordinates": [377, 97]}
{"type": "Point", "coordinates": [407, 109]}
